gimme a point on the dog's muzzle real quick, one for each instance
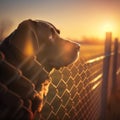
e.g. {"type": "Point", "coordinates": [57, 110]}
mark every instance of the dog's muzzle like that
{"type": "Point", "coordinates": [67, 53]}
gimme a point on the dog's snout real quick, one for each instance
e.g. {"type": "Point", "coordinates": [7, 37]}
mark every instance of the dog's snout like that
{"type": "Point", "coordinates": [72, 46]}
{"type": "Point", "coordinates": [76, 46]}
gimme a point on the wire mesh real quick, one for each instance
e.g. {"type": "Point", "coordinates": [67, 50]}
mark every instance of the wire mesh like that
{"type": "Point", "coordinates": [75, 92]}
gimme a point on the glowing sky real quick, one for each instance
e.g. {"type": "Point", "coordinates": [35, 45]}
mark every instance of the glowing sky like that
{"type": "Point", "coordinates": [75, 18]}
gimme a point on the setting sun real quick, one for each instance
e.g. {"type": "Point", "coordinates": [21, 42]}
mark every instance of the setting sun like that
{"type": "Point", "coordinates": [108, 27]}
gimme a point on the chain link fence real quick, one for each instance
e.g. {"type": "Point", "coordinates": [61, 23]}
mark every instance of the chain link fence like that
{"type": "Point", "coordinates": [75, 92]}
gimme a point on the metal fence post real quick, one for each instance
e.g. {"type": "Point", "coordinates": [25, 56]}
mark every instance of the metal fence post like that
{"type": "Point", "coordinates": [114, 77]}
{"type": "Point", "coordinates": [106, 64]}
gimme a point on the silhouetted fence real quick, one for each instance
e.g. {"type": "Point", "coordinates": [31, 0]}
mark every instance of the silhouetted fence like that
{"type": "Point", "coordinates": [80, 91]}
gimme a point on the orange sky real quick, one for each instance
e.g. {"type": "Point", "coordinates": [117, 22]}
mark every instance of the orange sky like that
{"type": "Point", "coordinates": [75, 18]}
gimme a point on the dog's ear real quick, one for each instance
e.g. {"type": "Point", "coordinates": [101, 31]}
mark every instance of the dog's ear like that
{"type": "Point", "coordinates": [24, 38]}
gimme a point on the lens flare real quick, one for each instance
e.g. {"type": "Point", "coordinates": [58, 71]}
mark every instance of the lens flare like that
{"type": "Point", "coordinates": [28, 50]}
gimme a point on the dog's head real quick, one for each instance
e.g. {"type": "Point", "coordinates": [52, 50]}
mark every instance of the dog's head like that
{"type": "Point", "coordinates": [43, 40]}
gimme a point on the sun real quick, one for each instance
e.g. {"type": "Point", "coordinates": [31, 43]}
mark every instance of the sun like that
{"type": "Point", "coordinates": [108, 27]}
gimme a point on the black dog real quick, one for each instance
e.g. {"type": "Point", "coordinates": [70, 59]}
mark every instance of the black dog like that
{"type": "Point", "coordinates": [33, 50]}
